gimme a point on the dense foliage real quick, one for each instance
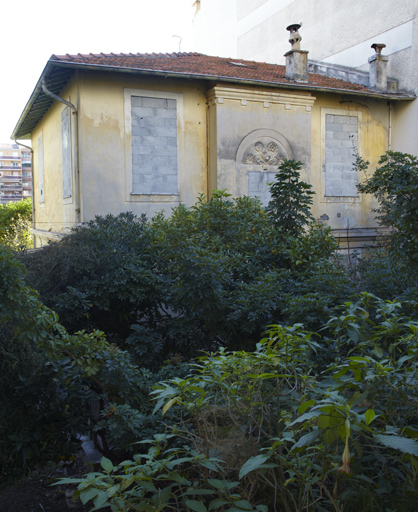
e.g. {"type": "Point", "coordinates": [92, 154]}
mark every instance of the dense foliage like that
{"type": "Point", "coordinates": [319, 416]}
{"type": "Point", "coordinates": [395, 186]}
{"type": "Point", "coordinates": [271, 430]}
{"type": "Point", "coordinates": [212, 274]}
{"type": "Point", "coordinates": [15, 221]}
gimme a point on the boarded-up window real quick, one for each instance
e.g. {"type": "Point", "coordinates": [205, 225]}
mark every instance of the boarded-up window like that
{"type": "Point", "coordinates": [66, 152]}
{"type": "Point", "coordinates": [41, 170]}
{"type": "Point", "coordinates": [154, 145]}
{"type": "Point", "coordinates": [340, 150]}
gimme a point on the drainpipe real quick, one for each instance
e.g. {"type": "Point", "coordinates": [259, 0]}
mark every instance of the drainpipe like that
{"type": "Point", "coordinates": [390, 127]}
{"type": "Point", "coordinates": [33, 188]}
{"type": "Point", "coordinates": [76, 150]}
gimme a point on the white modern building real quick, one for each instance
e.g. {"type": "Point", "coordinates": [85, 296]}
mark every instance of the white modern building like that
{"type": "Point", "coordinates": [336, 33]}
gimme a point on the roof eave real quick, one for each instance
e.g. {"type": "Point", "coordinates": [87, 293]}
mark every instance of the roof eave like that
{"type": "Point", "coordinates": [38, 88]}
{"type": "Point", "coordinates": [195, 76]}
{"type": "Point", "coordinates": [17, 134]}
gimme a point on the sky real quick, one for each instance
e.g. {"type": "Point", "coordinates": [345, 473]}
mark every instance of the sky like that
{"type": "Point", "coordinates": [33, 30]}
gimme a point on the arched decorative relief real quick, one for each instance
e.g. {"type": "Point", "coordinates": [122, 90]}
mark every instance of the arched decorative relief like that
{"type": "Point", "coordinates": [263, 153]}
{"type": "Point", "coordinates": [258, 158]}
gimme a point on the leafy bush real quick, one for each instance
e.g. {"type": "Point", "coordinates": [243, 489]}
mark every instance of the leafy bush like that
{"type": "Point", "coordinates": [269, 430]}
{"type": "Point", "coordinates": [214, 273]}
{"type": "Point", "coordinates": [395, 186]}
{"type": "Point", "coordinates": [51, 377]}
{"type": "Point", "coordinates": [15, 222]}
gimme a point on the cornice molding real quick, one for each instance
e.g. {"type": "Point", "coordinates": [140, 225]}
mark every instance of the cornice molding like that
{"type": "Point", "coordinates": [218, 94]}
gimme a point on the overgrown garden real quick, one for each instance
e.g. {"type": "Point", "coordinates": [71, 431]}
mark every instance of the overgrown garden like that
{"type": "Point", "coordinates": [236, 364]}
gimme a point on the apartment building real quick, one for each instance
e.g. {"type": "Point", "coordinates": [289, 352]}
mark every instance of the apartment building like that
{"type": "Point", "coordinates": [337, 34]}
{"type": "Point", "coordinates": [15, 173]}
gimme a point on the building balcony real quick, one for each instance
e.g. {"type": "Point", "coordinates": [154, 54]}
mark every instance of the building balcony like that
{"type": "Point", "coordinates": [8, 157]}
{"type": "Point", "coordinates": [11, 198]}
{"type": "Point", "coordinates": [10, 177]}
{"type": "Point", "coordinates": [17, 186]}
{"type": "Point", "coordinates": [10, 168]}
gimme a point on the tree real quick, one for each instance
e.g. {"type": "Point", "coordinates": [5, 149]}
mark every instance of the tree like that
{"type": "Point", "coordinates": [291, 199]}
{"type": "Point", "coordinates": [395, 186]}
{"type": "Point", "coordinates": [15, 219]}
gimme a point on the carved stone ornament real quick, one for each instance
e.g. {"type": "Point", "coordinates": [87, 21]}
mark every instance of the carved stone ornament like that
{"type": "Point", "coordinates": [263, 154]}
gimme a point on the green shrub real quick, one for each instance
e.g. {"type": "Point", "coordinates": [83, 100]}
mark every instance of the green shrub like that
{"type": "Point", "coordinates": [269, 430]}
{"type": "Point", "coordinates": [395, 186]}
{"type": "Point", "coordinates": [214, 273]}
{"type": "Point", "coordinates": [15, 223]}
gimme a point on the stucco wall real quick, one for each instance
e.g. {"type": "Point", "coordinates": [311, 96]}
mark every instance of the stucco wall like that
{"type": "Point", "coordinates": [246, 122]}
{"type": "Point", "coordinates": [106, 141]}
{"type": "Point", "coordinates": [373, 133]}
{"type": "Point", "coordinates": [243, 131]}
{"type": "Point", "coordinates": [55, 213]}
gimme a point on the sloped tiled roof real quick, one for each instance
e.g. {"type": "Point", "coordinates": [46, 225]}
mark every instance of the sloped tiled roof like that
{"type": "Point", "coordinates": [202, 66]}
{"type": "Point", "coordinates": [59, 68]}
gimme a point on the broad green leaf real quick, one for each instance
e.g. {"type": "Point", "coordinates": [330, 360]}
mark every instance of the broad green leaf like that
{"type": "Point", "coordinates": [170, 403]}
{"type": "Point", "coordinates": [306, 439]}
{"type": "Point", "coordinates": [306, 405]}
{"type": "Point", "coordinates": [161, 499]}
{"type": "Point", "coordinates": [106, 465]}
{"type": "Point", "coordinates": [369, 414]}
{"type": "Point", "coordinates": [100, 500]}
{"type": "Point", "coordinates": [146, 507]}
{"type": "Point", "coordinates": [222, 484]}
{"type": "Point", "coordinates": [330, 436]}
{"type": "Point", "coordinates": [197, 506]}
{"type": "Point", "coordinates": [217, 503]}
{"type": "Point", "coordinates": [252, 464]}
{"type": "Point", "coordinates": [88, 494]}
{"type": "Point", "coordinates": [307, 416]}
{"type": "Point", "coordinates": [243, 505]}
{"type": "Point", "coordinates": [402, 444]}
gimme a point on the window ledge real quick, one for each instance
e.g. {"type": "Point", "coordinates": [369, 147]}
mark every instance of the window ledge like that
{"type": "Point", "coordinates": [155, 198]}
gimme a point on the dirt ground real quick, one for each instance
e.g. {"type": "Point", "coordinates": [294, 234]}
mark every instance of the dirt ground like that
{"type": "Point", "coordinates": [35, 494]}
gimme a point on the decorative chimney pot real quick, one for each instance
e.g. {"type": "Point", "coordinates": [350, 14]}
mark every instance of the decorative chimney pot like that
{"type": "Point", "coordinates": [378, 75]}
{"type": "Point", "coordinates": [296, 59]}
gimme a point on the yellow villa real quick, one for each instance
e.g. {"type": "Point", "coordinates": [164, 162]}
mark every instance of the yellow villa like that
{"type": "Point", "coordinates": [145, 132]}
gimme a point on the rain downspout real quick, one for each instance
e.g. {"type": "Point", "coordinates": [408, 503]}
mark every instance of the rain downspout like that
{"type": "Point", "coordinates": [390, 127]}
{"type": "Point", "coordinates": [33, 188]}
{"type": "Point", "coordinates": [75, 137]}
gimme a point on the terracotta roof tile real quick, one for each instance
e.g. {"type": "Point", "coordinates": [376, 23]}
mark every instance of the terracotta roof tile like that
{"type": "Point", "coordinates": [59, 69]}
{"type": "Point", "coordinates": [203, 66]}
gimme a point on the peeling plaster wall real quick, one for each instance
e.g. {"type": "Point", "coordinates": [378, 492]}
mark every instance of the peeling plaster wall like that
{"type": "Point", "coordinates": [105, 142]}
{"type": "Point", "coordinates": [354, 212]}
{"type": "Point", "coordinates": [256, 116]}
{"type": "Point", "coordinates": [55, 214]}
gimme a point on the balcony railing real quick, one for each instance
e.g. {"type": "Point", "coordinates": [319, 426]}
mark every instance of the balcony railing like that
{"type": "Point", "coordinates": [11, 198]}
{"type": "Point", "coordinates": [11, 177]}
{"type": "Point", "coordinates": [17, 186]}
{"type": "Point", "coordinates": [10, 168]}
{"type": "Point", "coordinates": [8, 157]}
